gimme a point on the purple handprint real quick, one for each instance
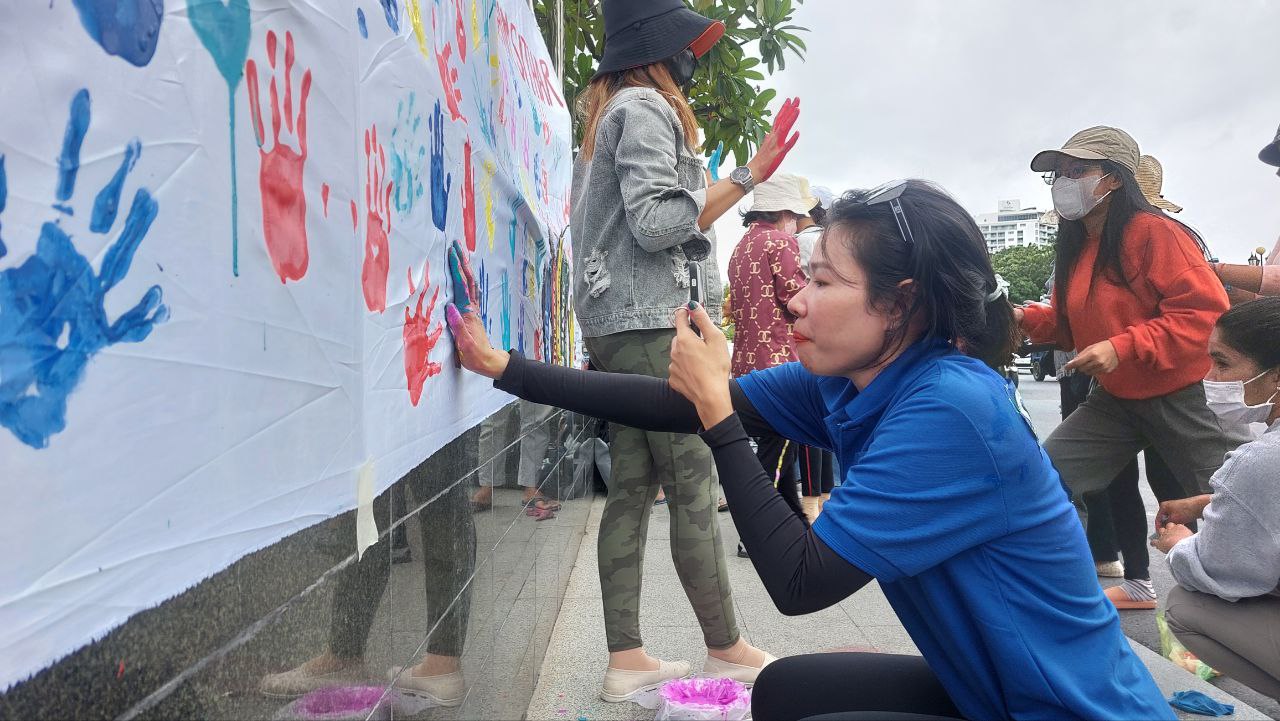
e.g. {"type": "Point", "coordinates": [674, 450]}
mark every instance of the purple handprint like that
{"type": "Point", "coordinates": [52, 315]}
{"type": "Point", "coordinates": [441, 184]}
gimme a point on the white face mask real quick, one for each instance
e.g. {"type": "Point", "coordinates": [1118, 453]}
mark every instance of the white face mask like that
{"type": "Point", "coordinates": [788, 225]}
{"type": "Point", "coordinates": [1073, 198]}
{"type": "Point", "coordinates": [1226, 399]}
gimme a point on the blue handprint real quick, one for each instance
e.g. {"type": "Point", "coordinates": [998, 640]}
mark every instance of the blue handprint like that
{"type": "Point", "coordinates": [52, 315]}
{"type": "Point", "coordinates": [129, 29]}
{"type": "Point", "coordinates": [440, 183]}
{"type": "Point", "coordinates": [408, 156]}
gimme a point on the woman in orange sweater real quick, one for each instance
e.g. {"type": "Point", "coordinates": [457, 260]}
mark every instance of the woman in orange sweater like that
{"type": "Point", "coordinates": [1135, 296]}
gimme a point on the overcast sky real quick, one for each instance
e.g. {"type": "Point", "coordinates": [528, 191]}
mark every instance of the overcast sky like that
{"type": "Point", "coordinates": [964, 93]}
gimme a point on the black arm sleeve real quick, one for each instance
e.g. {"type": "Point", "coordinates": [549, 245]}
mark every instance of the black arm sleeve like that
{"type": "Point", "coordinates": [801, 573]}
{"type": "Point", "coordinates": [643, 402]}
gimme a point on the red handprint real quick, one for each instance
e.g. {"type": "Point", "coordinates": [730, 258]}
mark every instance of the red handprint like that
{"type": "Point", "coordinates": [420, 338]}
{"type": "Point", "coordinates": [284, 205]}
{"type": "Point", "coordinates": [468, 198]}
{"type": "Point", "coordinates": [448, 73]}
{"type": "Point", "coordinates": [377, 201]}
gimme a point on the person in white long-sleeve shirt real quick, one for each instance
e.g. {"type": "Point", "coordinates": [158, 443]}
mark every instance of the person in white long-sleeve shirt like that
{"type": "Point", "coordinates": [1226, 607]}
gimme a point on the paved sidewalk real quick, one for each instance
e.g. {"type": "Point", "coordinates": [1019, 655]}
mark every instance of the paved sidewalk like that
{"type": "Point", "coordinates": [574, 664]}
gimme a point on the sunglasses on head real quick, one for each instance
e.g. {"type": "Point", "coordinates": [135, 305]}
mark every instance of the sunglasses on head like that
{"type": "Point", "coordinates": [891, 193]}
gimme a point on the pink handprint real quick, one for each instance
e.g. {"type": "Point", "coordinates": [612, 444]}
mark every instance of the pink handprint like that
{"type": "Point", "coordinates": [284, 205]}
{"type": "Point", "coordinates": [377, 201]}
{"type": "Point", "coordinates": [468, 198]}
{"type": "Point", "coordinates": [448, 73]}
{"type": "Point", "coordinates": [420, 338]}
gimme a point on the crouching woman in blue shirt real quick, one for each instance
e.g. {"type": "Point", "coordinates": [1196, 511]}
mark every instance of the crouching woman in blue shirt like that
{"type": "Point", "coordinates": [947, 498]}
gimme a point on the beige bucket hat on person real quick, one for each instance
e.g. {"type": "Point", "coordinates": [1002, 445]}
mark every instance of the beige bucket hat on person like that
{"type": "Point", "coordinates": [1150, 178]}
{"type": "Point", "coordinates": [783, 191]}
{"type": "Point", "coordinates": [1101, 142]}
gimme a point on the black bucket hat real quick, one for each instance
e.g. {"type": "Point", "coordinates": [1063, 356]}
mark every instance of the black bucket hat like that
{"type": "Point", "coordinates": [1271, 154]}
{"type": "Point", "coordinates": [640, 32]}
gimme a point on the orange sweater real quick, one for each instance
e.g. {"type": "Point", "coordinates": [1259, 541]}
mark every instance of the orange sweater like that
{"type": "Point", "coordinates": [1160, 326]}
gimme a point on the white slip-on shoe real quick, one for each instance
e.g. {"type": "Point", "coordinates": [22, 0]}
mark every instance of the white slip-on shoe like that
{"type": "Point", "coordinates": [299, 682]}
{"type": "Point", "coordinates": [746, 675]}
{"type": "Point", "coordinates": [622, 685]}
{"type": "Point", "coordinates": [446, 689]}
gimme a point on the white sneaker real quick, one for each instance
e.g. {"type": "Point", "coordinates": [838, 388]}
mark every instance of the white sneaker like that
{"type": "Point", "coordinates": [1111, 569]}
{"type": "Point", "coordinates": [620, 685]}
{"type": "Point", "coordinates": [446, 689]}
{"type": "Point", "coordinates": [746, 675]}
{"type": "Point", "coordinates": [300, 682]}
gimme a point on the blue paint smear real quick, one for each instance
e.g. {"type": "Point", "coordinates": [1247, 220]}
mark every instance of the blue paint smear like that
{"type": "Point", "coordinates": [69, 161]}
{"type": "Point", "coordinates": [4, 196]}
{"type": "Point", "coordinates": [483, 290]}
{"type": "Point", "coordinates": [520, 335]}
{"type": "Point", "coordinates": [52, 311]}
{"type": "Point", "coordinates": [364, 29]}
{"type": "Point", "coordinates": [441, 184]}
{"type": "Point", "coordinates": [129, 29]}
{"type": "Point", "coordinates": [506, 311]}
{"type": "Point", "coordinates": [223, 29]}
{"type": "Point", "coordinates": [408, 156]}
{"type": "Point", "coordinates": [392, 14]}
{"type": "Point", "coordinates": [107, 204]}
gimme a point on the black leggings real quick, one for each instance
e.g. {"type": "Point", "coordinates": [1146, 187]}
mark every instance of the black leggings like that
{"type": "Point", "coordinates": [834, 686]}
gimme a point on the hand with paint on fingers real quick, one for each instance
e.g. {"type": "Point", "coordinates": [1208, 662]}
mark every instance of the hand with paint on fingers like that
{"type": "Point", "coordinates": [716, 160]}
{"type": "Point", "coordinates": [465, 324]}
{"type": "Point", "coordinates": [700, 368]}
{"type": "Point", "coordinates": [777, 143]}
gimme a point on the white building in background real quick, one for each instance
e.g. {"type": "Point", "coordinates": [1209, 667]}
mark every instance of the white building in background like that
{"type": "Point", "coordinates": [1012, 226]}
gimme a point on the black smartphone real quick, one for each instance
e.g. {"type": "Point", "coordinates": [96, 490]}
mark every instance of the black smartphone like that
{"type": "Point", "coordinates": [696, 289]}
{"type": "Point", "coordinates": [696, 292]}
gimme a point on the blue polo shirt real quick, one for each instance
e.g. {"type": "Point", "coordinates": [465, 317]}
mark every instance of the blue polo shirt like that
{"type": "Point", "coordinates": [949, 502]}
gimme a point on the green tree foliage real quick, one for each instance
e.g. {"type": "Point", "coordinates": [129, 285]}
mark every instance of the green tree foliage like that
{"type": "Point", "coordinates": [726, 97]}
{"type": "Point", "coordinates": [1026, 268]}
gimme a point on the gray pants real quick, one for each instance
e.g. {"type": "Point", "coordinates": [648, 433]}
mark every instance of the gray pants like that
{"type": "Point", "coordinates": [1095, 443]}
{"type": "Point", "coordinates": [1241, 639]}
{"type": "Point", "coordinates": [534, 436]}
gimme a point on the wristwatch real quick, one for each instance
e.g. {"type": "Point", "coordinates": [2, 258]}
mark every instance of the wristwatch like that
{"type": "Point", "coordinates": [741, 175]}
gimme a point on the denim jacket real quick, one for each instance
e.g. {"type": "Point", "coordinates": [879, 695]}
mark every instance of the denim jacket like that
{"type": "Point", "coordinates": [634, 220]}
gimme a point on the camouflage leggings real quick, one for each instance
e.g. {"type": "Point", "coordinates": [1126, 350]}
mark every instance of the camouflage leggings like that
{"type": "Point", "coordinates": [682, 465]}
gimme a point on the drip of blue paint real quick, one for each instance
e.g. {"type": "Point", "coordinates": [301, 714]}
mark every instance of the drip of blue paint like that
{"type": "Point", "coordinates": [107, 204]}
{"type": "Point", "coordinates": [392, 14]}
{"type": "Point", "coordinates": [364, 29]}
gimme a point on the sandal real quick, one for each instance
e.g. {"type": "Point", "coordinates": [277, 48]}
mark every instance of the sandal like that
{"type": "Point", "coordinates": [1122, 602]}
{"type": "Point", "coordinates": [542, 503]}
{"type": "Point", "coordinates": [481, 506]}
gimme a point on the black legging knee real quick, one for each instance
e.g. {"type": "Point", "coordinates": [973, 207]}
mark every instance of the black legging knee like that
{"type": "Point", "coordinates": [849, 686]}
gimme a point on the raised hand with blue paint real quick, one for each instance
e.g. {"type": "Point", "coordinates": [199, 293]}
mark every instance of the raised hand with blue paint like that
{"type": "Point", "coordinates": [441, 184]}
{"type": "Point", "coordinates": [223, 29]}
{"type": "Point", "coordinates": [716, 161]}
{"type": "Point", "coordinates": [53, 318]}
{"type": "Point", "coordinates": [129, 29]}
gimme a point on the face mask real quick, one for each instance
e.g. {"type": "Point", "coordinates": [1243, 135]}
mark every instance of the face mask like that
{"type": "Point", "coordinates": [1226, 399]}
{"type": "Point", "coordinates": [1073, 198]}
{"type": "Point", "coordinates": [788, 225]}
{"type": "Point", "coordinates": [682, 67]}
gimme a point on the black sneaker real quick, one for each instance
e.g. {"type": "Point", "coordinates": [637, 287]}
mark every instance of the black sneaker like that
{"type": "Point", "coordinates": [742, 551]}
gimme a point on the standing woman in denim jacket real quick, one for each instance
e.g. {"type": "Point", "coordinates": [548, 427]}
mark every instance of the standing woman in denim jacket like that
{"type": "Point", "coordinates": [641, 218]}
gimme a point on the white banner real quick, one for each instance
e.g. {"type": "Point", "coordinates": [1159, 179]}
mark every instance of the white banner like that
{"type": "Point", "coordinates": [223, 234]}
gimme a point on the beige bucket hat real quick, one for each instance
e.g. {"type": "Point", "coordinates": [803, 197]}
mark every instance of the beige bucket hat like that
{"type": "Point", "coordinates": [1097, 143]}
{"type": "Point", "coordinates": [783, 191]}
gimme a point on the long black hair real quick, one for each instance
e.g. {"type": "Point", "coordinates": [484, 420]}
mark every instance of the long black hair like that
{"type": "Point", "coordinates": [948, 264]}
{"type": "Point", "coordinates": [1126, 202]}
{"type": "Point", "coordinates": [1253, 329]}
